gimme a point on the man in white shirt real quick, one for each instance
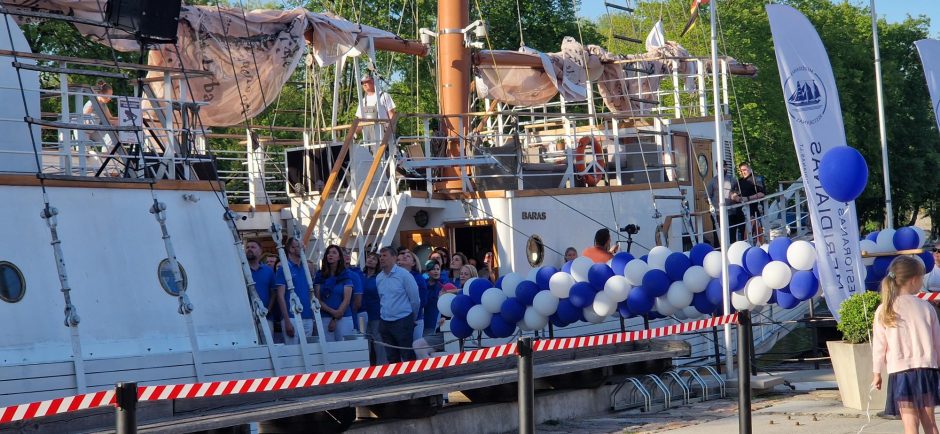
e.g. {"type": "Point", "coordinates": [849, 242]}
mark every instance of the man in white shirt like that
{"type": "Point", "coordinates": [375, 105]}
{"type": "Point", "coordinates": [932, 279]}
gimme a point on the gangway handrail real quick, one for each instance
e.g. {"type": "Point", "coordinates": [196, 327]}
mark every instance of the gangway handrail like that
{"type": "Point", "coordinates": [361, 198]}
{"type": "Point", "coordinates": [331, 181]}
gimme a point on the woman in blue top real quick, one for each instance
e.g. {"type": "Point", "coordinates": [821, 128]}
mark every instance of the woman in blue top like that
{"type": "Point", "coordinates": [334, 288]}
{"type": "Point", "coordinates": [409, 261]}
{"type": "Point", "coordinates": [372, 305]}
{"type": "Point", "coordinates": [436, 281]}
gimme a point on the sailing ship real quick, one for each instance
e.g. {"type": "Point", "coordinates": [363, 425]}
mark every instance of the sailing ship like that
{"type": "Point", "coordinates": [146, 277]}
{"type": "Point", "coordinates": [807, 95]}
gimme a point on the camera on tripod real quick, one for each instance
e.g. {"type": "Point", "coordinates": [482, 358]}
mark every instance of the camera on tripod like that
{"type": "Point", "coordinates": [630, 229]}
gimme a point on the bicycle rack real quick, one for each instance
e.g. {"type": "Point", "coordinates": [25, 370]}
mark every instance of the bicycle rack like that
{"type": "Point", "coordinates": [694, 376]}
{"type": "Point", "coordinates": [667, 395]}
{"type": "Point", "coordinates": [722, 386]}
{"type": "Point", "coordinates": [638, 388]}
{"type": "Point", "coordinates": [675, 378]}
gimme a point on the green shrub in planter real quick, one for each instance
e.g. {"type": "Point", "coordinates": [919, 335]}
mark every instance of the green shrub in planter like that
{"type": "Point", "coordinates": [858, 314]}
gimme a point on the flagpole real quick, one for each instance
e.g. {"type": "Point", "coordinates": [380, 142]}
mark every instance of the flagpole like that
{"type": "Point", "coordinates": [719, 148]}
{"type": "Point", "coordinates": [889, 209]}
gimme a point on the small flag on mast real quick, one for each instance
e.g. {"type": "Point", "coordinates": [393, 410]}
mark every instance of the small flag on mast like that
{"type": "Point", "coordinates": [693, 15]}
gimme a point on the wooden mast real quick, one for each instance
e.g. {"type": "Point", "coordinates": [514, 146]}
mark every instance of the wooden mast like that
{"type": "Point", "coordinates": [453, 67]}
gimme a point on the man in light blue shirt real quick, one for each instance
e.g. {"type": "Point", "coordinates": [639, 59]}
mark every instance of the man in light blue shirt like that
{"type": "Point", "coordinates": [399, 300]}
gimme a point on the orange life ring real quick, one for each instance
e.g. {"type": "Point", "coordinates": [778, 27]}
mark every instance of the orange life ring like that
{"type": "Point", "coordinates": [592, 177]}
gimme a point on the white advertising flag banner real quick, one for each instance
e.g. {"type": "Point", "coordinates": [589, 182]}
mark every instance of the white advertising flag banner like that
{"type": "Point", "coordinates": [809, 92]}
{"type": "Point", "coordinates": [929, 50]}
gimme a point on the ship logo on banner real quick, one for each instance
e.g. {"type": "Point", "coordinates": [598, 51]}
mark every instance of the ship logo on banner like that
{"type": "Point", "coordinates": [806, 95]}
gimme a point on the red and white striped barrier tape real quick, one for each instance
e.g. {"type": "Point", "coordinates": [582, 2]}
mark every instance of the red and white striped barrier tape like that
{"type": "Point", "coordinates": [237, 387]}
{"type": "Point", "coordinates": [929, 296]}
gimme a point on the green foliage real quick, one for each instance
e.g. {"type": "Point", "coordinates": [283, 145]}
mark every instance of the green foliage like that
{"type": "Point", "coordinates": [858, 314]}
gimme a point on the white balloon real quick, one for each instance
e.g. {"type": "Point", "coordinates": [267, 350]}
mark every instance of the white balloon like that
{"type": "Point", "coordinates": [532, 273]}
{"type": "Point", "coordinates": [591, 316]}
{"type": "Point", "coordinates": [736, 252]}
{"type": "Point", "coordinates": [712, 264]}
{"type": "Point", "coordinates": [534, 320]}
{"type": "Point", "coordinates": [696, 279]}
{"type": "Point", "coordinates": [617, 288]}
{"type": "Point", "coordinates": [545, 303]}
{"type": "Point", "coordinates": [492, 300]}
{"type": "Point", "coordinates": [777, 274]}
{"type": "Point", "coordinates": [868, 246]}
{"type": "Point", "coordinates": [560, 284]}
{"type": "Point", "coordinates": [478, 317]}
{"type": "Point", "coordinates": [740, 301]}
{"type": "Point", "coordinates": [580, 268]}
{"type": "Point", "coordinates": [466, 285]}
{"type": "Point", "coordinates": [510, 282]}
{"type": "Point", "coordinates": [657, 257]}
{"type": "Point", "coordinates": [692, 313]}
{"type": "Point", "coordinates": [921, 236]}
{"type": "Point", "coordinates": [635, 270]}
{"type": "Point", "coordinates": [885, 241]}
{"type": "Point", "coordinates": [443, 304]}
{"type": "Point", "coordinates": [757, 292]}
{"type": "Point", "coordinates": [663, 306]}
{"type": "Point", "coordinates": [801, 255]}
{"type": "Point", "coordinates": [603, 305]}
{"type": "Point", "coordinates": [678, 295]}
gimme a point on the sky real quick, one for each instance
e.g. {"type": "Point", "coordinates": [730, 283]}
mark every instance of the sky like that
{"type": "Point", "coordinates": [892, 10]}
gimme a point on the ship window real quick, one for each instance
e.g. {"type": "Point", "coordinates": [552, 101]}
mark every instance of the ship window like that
{"type": "Point", "coordinates": [167, 281]}
{"type": "Point", "coordinates": [535, 250]}
{"type": "Point", "coordinates": [12, 283]}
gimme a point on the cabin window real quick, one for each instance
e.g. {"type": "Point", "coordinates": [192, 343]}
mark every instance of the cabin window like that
{"type": "Point", "coordinates": [535, 250]}
{"type": "Point", "coordinates": [12, 283]}
{"type": "Point", "coordinates": [167, 280]}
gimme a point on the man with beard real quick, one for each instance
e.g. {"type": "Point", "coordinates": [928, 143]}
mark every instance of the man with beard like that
{"type": "Point", "coordinates": [263, 276]}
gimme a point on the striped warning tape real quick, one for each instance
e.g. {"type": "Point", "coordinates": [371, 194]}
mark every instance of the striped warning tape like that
{"type": "Point", "coordinates": [929, 296]}
{"type": "Point", "coordinates": [296, 381]}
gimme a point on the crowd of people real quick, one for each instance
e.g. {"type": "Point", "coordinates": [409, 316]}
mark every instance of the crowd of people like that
{"type": "Point", "coordinates": [392, 297]}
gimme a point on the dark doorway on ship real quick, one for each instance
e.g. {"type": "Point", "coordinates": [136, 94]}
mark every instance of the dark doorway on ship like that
{"type": "Point", "coordinates": [476, 239]}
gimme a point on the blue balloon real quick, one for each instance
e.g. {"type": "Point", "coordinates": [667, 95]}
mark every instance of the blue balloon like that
{"type": "Point", "coordinates": [773, 298]}
{"type": "Point", "coordinates": [785, 299]}
{"type": "Point", "coordinates": [906, 238]}
{"type": "Point", "coordinates": [927, 257]}
{"type": "Point", "coordinates": [624, 310]}
{"type": "Point", "coordinates": [638, 301]}
{"type": "Point", "coordinates": [676, 264]}
{"type": "Point", "coordinates": [804, 285]}
{"type": "Point", "coordinates": [479, 284]}
{"type": "Point", "coordinates": [714, 293]}
{"type": "Point", "coordinates": [656, 282]}
{"type": "Point", "coordinates": [872, 236]}
{"type": "Point", "coordinates": [645, 258]}
{"type": "Point", "coordinates": [512, 310]}
{"type": "Point", "coordinates": [598, 275]}
{"type": "Point", "coordinates": [476, 292]}
{"type": "Point", "coordinates": [619, 262]}
{"type": "Point", "coordinates": [499, 282]}
{"type": "Point", "coordinates": [544, 275]}
{"type": "Point", "coordinates": [526, 292]}
{"type": "Point", "coordinates": [460, 328]}
{"type": "Point", "coordinates": [702, 304]}
{"type": "Point", "coordinates": [881, 266]}
{"type": "Point", "coordinates": [816, 269]}
{"type": "Point", "coordinates": [755, 259]}
{"type": "Point", "coordinates": [843, 173]}
{"type": "Point", "coordinates": [557, 322]}
{"type": "Point", "coordinates": [581, 295]}
{"type": "Point", "coordinates": [566, 267]}
{"type": "Point", "coordinates": [460, 305]}
{"type": "Point", "coordinates": [778, 249]}
{"type": "Point", "coordinates": [502, 328]}
{"type": "Point", "coordinates": [699, 252]}
{"type": "Point", "coordinates": [567, 312]}
{"type": "Point", "coordinates": [737, 277]}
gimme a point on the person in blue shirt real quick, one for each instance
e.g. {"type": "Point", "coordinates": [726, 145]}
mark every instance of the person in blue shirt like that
{"type": "Point", "coordinates": [399, 302]}
{"type": "Point", "coordinates": [263, 277]}
{"type": "Point", "coordinates": [409, 261]}
{"type": "Point", "coordinates": [358, 280]}
{"type": "Point", "coordinates": [301, 288]}
{"type": "Point", "coordinates": [334, 288]}
{"type": "Point", "coordinates": [371, 306]}
{"type": "Point", "coordinates": [436, 280]}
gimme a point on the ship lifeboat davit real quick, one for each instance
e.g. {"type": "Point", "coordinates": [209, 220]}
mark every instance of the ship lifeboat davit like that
{"type": "Point", "coordinates": [595, 172]}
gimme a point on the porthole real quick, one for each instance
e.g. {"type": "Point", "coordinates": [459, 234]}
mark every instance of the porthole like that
{"type": "Point", "coordinates": [535, 250]}
{"type": "Point", "coordinates": [166, 278]}
{"type": "Point", "coordinates": [12, 283]}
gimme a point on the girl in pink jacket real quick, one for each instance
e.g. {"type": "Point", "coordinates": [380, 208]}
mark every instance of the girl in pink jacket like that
{"type": "Point", "coordinates": [905, 344]}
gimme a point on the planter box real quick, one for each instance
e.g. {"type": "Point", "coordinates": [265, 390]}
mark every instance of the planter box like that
{"type": "Point", "coordinates": [853, 371]}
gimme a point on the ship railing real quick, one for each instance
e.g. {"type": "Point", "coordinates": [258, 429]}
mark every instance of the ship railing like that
{"type": "Point", "coordinates": [242, 172]}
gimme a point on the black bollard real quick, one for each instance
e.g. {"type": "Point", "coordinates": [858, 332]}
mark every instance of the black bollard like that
{"type": "Point", "coordinates": [744, 372]}
{"type": "Point", "coordinates": [125, 400]}
{"type": "Point", "coordinates": [526, 387]}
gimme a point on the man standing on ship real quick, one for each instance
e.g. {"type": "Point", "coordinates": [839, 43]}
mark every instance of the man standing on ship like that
{"type": "Point", "coordinates": [374, 106]}
{"type": "Point", "coordinates": [263, 276]}
{"type": "Point", "coordinates": [301, 288]}
{"type": "Point", "coordinates": [748, 189]}
{"type": "Point", "coordinates": [400, 301]}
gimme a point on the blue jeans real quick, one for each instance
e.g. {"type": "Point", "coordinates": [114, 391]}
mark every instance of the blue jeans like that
{"type": "Point", "coordinates": [398, 333]}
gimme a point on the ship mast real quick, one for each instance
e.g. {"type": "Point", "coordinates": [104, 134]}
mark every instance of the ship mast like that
{"type": "Point", "coordinates": [453, 63]}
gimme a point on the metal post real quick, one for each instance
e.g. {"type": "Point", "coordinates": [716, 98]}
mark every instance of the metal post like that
{"type": "Point", "coordinates": [125, 413]}
{"type": "Point", "coordinates": [717, 349]}
{"type": "Point", "coordinates": [744, 372]}
{"type": "Point", "coordinates": [889, 211]}
{"type": "Point", "coordinates": [526, 387]}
